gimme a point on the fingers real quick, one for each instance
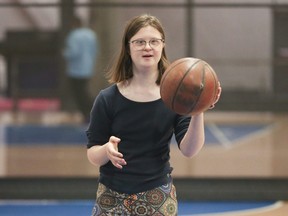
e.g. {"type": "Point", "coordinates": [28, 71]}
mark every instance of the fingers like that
{"type": "Point", "coordinates": [114, 140]}
{"type": "Point", "coordinates": [113, 154]}
{"type": "Point", "coordinates": [217, 96]}
{"type": "Point", "coordinates": [116, 158]}
{"type": "Point", "coordinates": [119, 163]}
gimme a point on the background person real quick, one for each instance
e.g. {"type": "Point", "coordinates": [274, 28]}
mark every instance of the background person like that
{"type": "Point", "coordinates": [81, 47]}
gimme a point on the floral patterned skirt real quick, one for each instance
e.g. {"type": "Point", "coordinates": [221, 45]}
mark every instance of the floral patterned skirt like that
{"type": "Point", "coordinates": [158, 201]}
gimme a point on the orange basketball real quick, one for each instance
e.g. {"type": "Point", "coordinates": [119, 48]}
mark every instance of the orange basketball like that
{"type": "Point", "coordinates": [189, 86]}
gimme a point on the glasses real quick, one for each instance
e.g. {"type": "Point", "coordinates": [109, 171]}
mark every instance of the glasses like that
{"type": "Point", "coordinates": [141, 44]}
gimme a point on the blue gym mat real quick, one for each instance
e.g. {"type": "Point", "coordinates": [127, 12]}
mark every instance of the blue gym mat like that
{"type": "Point", "coordinates": [75, 134]}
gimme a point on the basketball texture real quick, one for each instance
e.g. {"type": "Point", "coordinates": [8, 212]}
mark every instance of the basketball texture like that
{"type": "Point", "coordinates": [189, 86]}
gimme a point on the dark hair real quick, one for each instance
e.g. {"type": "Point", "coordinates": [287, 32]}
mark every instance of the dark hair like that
{"type": "Point", "coordinates": [122, 69]}
{"type": "Point", "coordinates": [76, 22]}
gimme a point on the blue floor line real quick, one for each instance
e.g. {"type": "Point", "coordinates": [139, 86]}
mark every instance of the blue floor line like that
{"type": "Point", "coordinates": [79, 208]}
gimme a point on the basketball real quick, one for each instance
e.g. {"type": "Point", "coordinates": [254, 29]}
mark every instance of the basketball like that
{"type": "Point", "coordinates": [189, 86]}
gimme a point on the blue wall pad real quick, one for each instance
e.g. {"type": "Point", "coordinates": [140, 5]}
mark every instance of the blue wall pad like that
{"type": "Point", "coordinates": [36, 134]}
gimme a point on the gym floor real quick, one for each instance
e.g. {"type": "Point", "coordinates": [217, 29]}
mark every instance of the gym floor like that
{"type": "Point", "coordinates": [76, 208]}
{"type": "Point", "coordinates": [237, 145]}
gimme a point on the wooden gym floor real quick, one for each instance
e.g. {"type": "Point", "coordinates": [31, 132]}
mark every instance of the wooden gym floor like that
{"type": "Point", "coordinates": [237, 145]}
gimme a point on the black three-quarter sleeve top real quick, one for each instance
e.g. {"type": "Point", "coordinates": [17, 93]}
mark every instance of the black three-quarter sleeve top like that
{"type": "Point", "coordinates": [145, 130]}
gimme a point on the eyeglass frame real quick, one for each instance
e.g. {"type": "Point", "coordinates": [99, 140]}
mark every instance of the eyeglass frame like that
{"type": "Point", "coordinates": [149, 42]}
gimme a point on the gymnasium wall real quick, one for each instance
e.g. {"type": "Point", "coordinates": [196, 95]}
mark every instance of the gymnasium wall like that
{"type": "Point", "coordinates": [239, 39]}
{"type": "Point", "coordinates": [246, 139]}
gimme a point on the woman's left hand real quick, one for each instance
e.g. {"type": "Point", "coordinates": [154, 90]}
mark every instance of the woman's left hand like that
{"type": "Point", "coordinates": [217, 96]}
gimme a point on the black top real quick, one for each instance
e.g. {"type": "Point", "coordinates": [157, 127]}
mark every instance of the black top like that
{"type": "Point", "coordinates": [145, 130]}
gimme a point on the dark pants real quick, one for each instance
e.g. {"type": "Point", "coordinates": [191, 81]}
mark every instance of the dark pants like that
{"type": "Point", "coordinates": [81, 96]}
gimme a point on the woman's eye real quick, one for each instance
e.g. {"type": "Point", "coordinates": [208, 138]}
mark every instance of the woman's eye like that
{"type": "Point", "coordinates": [140, 42]}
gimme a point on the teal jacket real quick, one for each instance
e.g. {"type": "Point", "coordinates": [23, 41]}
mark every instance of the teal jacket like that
{"type": "Point", "coordinates": [80, 52]}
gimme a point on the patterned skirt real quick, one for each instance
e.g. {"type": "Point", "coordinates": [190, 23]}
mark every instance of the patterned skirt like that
{"type": "Point", "coordinates": [158, 201]}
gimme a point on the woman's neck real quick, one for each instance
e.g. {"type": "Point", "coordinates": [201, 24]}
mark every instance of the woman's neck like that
{"type": "Point", "coordinates": [141, 87]}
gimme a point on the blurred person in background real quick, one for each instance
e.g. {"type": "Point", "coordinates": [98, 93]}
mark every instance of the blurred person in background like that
{"type": "Point", "coordinates": [80, 53]}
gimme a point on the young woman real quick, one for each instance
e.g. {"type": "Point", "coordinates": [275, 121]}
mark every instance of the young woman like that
{"type": "Point", "coordinates": [131, 128]}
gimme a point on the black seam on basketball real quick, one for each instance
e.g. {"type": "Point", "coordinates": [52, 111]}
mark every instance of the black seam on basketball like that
{"type": "Point", "coordinates": [202, 86]}
{"type": "Point", "coordinates": [179, 84]}
{"type": "Point", "coordinates": [167, 72]}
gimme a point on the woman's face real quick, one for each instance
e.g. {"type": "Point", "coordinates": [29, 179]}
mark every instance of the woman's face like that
{"type": "Point", "coordinates": [146, 48]}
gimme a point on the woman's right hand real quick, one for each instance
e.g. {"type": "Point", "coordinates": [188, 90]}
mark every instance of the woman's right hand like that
{"type": "Point", "coordinates": [113, 154]}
